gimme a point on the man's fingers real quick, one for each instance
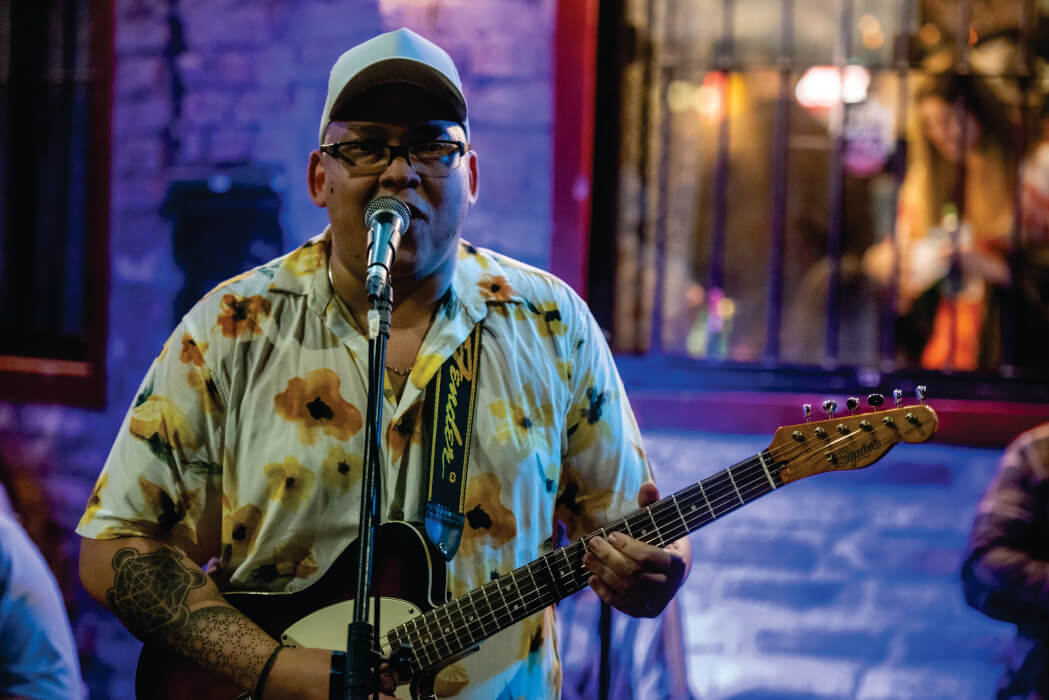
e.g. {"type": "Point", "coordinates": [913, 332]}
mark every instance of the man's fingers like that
{"type": "Point", "coordinates": [647, 494]}
{"type": "Point", "coordinates": [625, 550]}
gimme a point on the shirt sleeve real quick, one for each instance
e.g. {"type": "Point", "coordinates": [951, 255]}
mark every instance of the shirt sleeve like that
{"type": "Point", "coordinates": [164, 472]}
{"type": "Point", "coordinates": [603, 462]}
{"type": "Point", "coordinates": [1005, 573]}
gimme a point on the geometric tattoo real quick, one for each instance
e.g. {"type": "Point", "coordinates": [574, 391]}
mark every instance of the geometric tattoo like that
{"type": "Point", "coordinates": [149, 595]}
{"type": "Point", "coordinates": [150, 590]}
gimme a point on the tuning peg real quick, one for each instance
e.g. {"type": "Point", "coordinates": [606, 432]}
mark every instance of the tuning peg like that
{"type": "Point", "coordinates": [852, 403]}
{"type": "Point", "coordinates": [897, 396]}
{"type": "Point", "coordinates": [830, 407]}
{"type": "Point", "coordinates": [919, 391]}
{"type": "Point", "coordinates": [806, 408]}
{"type": "Point", "coordinates": [875, 401]}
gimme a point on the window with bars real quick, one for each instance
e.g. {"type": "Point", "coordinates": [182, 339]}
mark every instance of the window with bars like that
{"type": "Point", "coordinates": [55, 84]}
{"type": "Point", "coordinates": [850, 187]}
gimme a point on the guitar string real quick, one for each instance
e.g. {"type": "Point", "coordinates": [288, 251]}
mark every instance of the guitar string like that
{"type": "Point", "coordinates": [574, 575]}
{"type": "Point", "coordinates": [537, 595]}
{"type": "Point", "coordinates": [663, 507]}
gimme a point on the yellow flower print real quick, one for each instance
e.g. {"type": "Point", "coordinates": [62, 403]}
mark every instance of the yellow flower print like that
{"type": "Point", "coordinates": [168, 512]}
{"type": "Point", "coordinates": [341, 470]}
{"type": "Point", "coordinates": [163, 518]}
{"type": "Point", "coordinates": [242, 315]}
{"type": "Point", "coordinates": [586, 422]}
{"type": "Point", "coordinates": [425, 367]}
{"type": "Point", "coordinates": [522, 423]}
{"type": "Point", "coordinates": [204, 385]}
{"type": "Point", "coordinates": [564, 370]}
{"type": "Point", "coordinates": [578, 502]}
{"type": "Point", "coordinates": [467, 250]}
{"type": "Point", "coordinates": [293, 559]}
{"type": "Point", "coordinates": [288, 482]}
{"type": "Point", "coordinates": [406, 430]}
{"type": "Point", "coordinates": [450, 681]}
{"type": "Point", "coordinates": [94, 502]}
{"type": "Point", "coordinates": [191, 352]}
{"type": "Point", "coordinates": [495, 288]}
{"type": "Point", "coordinates": [549, 321]}
{"type": "Point", "coordinates": [239, 530]}
{"type": "Point", "coordinates": [160, 423]}
{"type": "Point", "coordinates": [316, 402]}
{"type": "Point", "coordinates": [309, 258]}
{"type": "Point", "coordinates": [533, 632]}
{"type": "Point", "coordinates": [488, 522]}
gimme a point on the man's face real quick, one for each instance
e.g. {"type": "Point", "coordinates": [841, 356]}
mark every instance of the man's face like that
{"type": "Point", "coordinates": [437, 204]}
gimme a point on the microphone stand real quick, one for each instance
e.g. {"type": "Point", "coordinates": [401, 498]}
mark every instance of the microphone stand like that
{"type": "Point", "coordinates": [362, 655]}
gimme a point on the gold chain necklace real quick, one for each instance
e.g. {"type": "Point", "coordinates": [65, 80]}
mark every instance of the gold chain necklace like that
{"type": "Point", "coordinates": [399, 371]}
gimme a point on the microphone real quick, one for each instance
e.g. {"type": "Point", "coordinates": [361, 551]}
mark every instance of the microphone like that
{"type": "Point", "coordinates": [386, 218]}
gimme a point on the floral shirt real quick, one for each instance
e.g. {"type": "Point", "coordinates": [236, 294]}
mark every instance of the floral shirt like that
{"type": "Point", "coordinates": [245, 441]}
{"type": "Point", "coordinates": [1006, 569]}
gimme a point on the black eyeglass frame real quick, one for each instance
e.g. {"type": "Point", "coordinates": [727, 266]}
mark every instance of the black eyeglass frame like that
{"type": "Point", "coordinates": [332, 149]}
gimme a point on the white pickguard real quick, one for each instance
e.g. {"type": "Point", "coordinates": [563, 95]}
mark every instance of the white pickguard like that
{"type": "Point", "coordinates": [326, 628]}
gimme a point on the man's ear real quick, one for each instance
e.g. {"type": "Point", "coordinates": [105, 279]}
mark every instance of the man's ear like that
{"type": "Point", "coordinates": [317, 179]}
{"type": "Point", "coordinates": [471, 167]}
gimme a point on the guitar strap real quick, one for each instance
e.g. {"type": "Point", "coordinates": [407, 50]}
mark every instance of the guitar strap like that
{"type": "Point", "coordinates": [448, 412]}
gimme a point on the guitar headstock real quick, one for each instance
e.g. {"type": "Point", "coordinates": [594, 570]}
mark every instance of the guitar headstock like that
{"type": "Point", "coordinates": [851, 441]}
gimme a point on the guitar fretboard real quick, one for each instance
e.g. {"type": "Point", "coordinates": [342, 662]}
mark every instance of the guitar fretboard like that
{"type": "Point", "coordinates": [463, 623]}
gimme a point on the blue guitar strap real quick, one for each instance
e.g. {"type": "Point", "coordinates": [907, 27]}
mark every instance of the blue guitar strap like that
{"type": "Point", "coordinates": [448, 412]}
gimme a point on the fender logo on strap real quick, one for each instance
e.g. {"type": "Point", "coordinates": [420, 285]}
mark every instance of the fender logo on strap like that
{"type": "Point", "coordinates": [454, 390]}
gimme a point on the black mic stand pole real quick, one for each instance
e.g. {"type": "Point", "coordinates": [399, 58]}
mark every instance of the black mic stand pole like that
{"type": "Point", "coordinates": [362, 656]}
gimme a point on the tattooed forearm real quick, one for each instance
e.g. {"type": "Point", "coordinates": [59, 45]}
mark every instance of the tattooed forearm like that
{"type": "Point", "coordinates": [150, 595]}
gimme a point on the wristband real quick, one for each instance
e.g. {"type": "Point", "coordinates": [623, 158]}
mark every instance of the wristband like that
{"type": "Point", "coordinates": [257, 695]}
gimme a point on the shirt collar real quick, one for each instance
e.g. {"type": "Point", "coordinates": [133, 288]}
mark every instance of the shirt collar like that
{"type": "Point", "coordinates": [479, 280]}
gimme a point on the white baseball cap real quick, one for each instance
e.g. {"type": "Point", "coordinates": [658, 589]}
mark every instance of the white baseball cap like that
{"type": "Point", "coordinates": [400, 56]}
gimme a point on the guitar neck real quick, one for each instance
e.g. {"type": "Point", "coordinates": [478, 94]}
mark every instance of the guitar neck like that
{"type": "Point", "coordinates": [796, 452]}
{"type": "Point", "coordinates": [463, 623]}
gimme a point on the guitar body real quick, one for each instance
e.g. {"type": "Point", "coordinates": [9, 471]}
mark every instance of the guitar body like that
{"type": "Point", "coordinates": [410, 580]}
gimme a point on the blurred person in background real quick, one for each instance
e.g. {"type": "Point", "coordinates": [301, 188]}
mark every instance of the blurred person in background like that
{"type": "Point", "coordinates": [38, 657]}
{"type": "Point", "coordinates": [1006, 568]}
{"type": "Point", "coordinates": [952, 254]}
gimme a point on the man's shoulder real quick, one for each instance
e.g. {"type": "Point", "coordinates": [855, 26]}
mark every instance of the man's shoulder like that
{"type": "Point", "coordinates": [257, 289]}
{"type": "Point", "coordinates": [529, 282]}
{"type": "Point", "coordinates": [1032, 447]}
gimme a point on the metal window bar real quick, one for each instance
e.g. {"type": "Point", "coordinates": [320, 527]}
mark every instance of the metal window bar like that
{"type": "Point", "coordinates": [724, 63]}
{"type": "Point", "coordinates": [780, 158]}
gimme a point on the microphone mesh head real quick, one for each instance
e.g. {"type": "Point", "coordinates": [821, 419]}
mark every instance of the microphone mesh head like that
{"type": "Point", "coordinates": [387, 205]}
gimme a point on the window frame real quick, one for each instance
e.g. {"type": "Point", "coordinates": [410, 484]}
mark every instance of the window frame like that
{"type": "Point", "coordinates": [81, 382]}
{"type": "Point", "coordinates": [977, 408]}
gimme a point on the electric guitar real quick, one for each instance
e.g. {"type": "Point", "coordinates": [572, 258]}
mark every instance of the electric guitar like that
{"type": "Point", "coordinates": [416, 615]}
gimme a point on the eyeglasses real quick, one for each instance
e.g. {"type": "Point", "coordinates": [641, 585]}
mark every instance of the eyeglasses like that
{"type": "Point", "coordinates": [434, 158]}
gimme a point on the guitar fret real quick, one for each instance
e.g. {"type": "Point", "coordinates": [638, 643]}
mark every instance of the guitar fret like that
{"type": "Point", "coordinates": [729, 472]}
{"type": "Point", "coordinates": [768, 474]}
{"type": "Point", "coordinates": [477, 614]}
{"type": "Point", "coordinates": [655, 525]}
{"type": "Point", "coordinates": [553, 579]}
{"type": "Point", "coordinates": [434, 625]}
{"type": "Point", "coordinates": [415, 621]}
{"type": "Point", "coordinates": [626, 524]}
{"type": "Point", "coordinates": [535, 584]}
{"type": "Point", "coordinates": [520, 597]}
{"type": "Point", "coordinates": [453, 625]}
{"type": "Point", "coordinates": [502, 597]}
{"type": "Point", "coordinates": [703, 491]}
{"type": "Point", "coordinates": [679, 513]}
